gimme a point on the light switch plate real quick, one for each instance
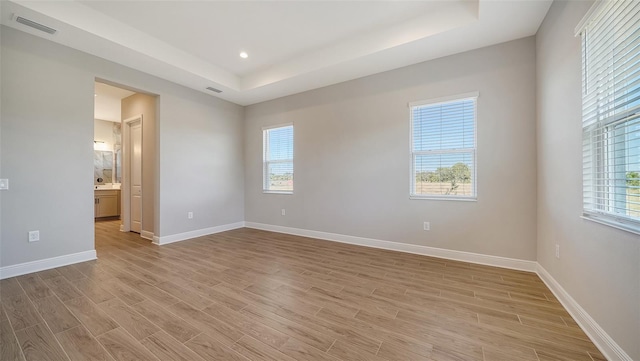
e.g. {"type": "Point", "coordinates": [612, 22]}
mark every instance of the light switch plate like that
{"type": "Point", "coordinates": [4, 184]}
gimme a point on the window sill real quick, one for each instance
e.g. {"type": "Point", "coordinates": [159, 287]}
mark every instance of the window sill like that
{"type": "Point", "coordinates": [277, 192]}
{"type": "Point", "coordinates": [632, 228]}
{"type": "Point", "coordinates": [432, 198]}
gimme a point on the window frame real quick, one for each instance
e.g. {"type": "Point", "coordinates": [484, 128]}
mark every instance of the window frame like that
{"type": "Point", "coordinates": [474, 151]}
{"type": "Point", "coordinates": [599, 181]}
{"type": "Point", "coordinates": [266, 162]}
{"type": "Point", "coordinates": [601, 213]}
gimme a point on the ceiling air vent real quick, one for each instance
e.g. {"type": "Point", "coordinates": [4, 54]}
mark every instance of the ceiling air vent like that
{"type": "Point", "coordinates": [214, 89]}
{"type": "Point", "coordinates": [35, 25]}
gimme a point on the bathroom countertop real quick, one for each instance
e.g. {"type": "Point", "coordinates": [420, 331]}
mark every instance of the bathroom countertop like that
{"type": "Point", "coordinates": [106, 187]}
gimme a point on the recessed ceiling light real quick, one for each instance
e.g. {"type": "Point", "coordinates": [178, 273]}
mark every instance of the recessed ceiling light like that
{"type": "Point", "coordinates": [95, 95]}
{"type": "Point", "coordinates": [244, 55]}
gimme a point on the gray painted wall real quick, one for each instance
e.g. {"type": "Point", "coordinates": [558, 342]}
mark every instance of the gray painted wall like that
{"type": "Point", "coordinates": [46, 149]}
{"type": "Point", "coordinates": [47, 146]}
{"type": "Point", "coordinates": [599, 265]}
{"type": "Point", "coordinates": [352, 156]}
{"type": "Point", "coordinates": [201, 153]}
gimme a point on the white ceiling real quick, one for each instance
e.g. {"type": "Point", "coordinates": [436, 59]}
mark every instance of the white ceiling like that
{"type": "Point", "coordinates": [293, 46]}
{"type": "Point", "coordinates": [107, 102]}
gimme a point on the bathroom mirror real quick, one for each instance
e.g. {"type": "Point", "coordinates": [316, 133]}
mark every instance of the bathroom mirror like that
{"type": "Point", "coordinates": [118, 164]}
{"type": "Point", "coordinates": [102, 167]}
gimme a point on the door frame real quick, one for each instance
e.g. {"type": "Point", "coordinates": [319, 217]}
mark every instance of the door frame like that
{"type": "Point", "coordinates": [125, 192]}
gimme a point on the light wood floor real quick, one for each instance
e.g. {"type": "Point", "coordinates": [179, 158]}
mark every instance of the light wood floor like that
{"type": "Point", "coordinates": [255, 295]}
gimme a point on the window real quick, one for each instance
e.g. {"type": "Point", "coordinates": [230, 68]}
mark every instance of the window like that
{"type": "Point", "coordinates": [443, 148]}
{"type": "Point", "coordinates": [611, 114]}
{"type": "Point", "coordinates": [277, 156]}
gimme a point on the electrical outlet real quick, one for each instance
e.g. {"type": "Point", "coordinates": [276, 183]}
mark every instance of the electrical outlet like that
{"type": "Point", "coordinates": [284, 212]}
{"type": "Point", "coordinates": [557, 251]}
{"type": "Point", "coordinates": [426, 226]}
{"type": "Point", "coordinates": [190, 215]}
{"type": "Point", "coordinates": [34, 236]}
{"type": "Point", "coordinates": [4, 184]}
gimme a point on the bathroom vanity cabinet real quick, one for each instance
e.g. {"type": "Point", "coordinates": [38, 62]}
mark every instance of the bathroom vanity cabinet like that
{"type": "Point", "coordinates": [106, 203]}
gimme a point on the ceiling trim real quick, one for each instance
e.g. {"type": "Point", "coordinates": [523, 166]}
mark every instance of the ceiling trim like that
{"type": "Point", "coordinates": [451, 27]}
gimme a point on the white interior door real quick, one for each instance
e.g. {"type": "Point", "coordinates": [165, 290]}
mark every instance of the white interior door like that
{"type": "Point", "coordinates": [135, 162]}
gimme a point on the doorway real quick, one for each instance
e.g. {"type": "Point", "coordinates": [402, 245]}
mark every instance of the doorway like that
{"type": "Point", "coordinates": [125, 168]}
{"type": "Point", "coordinates": [107, 157]}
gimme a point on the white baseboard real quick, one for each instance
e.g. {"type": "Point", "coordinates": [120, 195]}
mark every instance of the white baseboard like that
{"type": "Point", "coordinates": [162, 240]}
{"type": "Point", "coordinates": [504, 262]}
{"type": "Point", "coordinates": [147, 235]}
{"type": "Point", "coordinates": [45, 264]}
{"type": "Point", "coordinates": [609, 348]}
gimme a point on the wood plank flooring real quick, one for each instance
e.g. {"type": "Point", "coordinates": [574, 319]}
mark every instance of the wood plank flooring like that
{"type": "Point", "coordinates": [255, 295]}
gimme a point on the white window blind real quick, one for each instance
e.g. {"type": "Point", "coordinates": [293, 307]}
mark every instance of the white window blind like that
{"type": "Point", "coordinates": [277, 158]}
{"type": "Point", "coordinates": [611, 114]}
{"type": "Point", "coordinates": [443, 149]}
